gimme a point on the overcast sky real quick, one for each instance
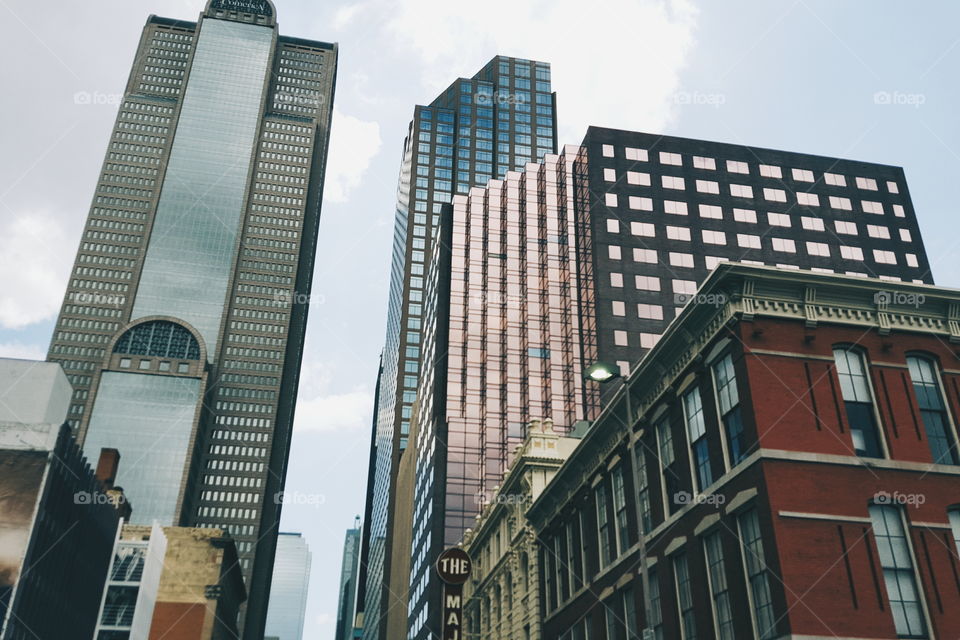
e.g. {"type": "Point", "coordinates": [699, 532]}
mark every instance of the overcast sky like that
{"type": "Point", "coordinates": [863, 80]}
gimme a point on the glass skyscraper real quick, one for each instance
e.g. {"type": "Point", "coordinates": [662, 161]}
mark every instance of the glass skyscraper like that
{"type": "Point", "coordinates": [288, 594]}
{"type": "Point", "coordinates": [478, 129]}
{"type": "Point", "coordinates": [183, 323]}
{"type": "Point", "coordinates": [349, 571]}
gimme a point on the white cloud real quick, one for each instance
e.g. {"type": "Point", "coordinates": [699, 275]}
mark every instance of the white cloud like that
{"type": "Point", "coordinates": [623, 75]}
{"type": "Point", "coordinates": [321, 407]}
{"type": "Point", "coordinates": [353, 144]}
{"type": "Point", "coordinates": [35, 254]}
{"type": "Point", "coordinates": [22, 351]}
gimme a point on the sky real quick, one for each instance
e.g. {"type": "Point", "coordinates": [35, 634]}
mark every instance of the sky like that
{"type": "Point", "coordinates": [853, 79]}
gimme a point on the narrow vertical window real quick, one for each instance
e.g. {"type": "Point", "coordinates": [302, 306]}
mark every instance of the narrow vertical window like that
{"type": "Point", "coordinates": [719, 591]}
{"type": "Point", "coordinates": [858, 402]}
{"type": "Point", "coordinates": [954, 515]}
{"type": "Point", "coordinates": [697, 430]}
{"type": "Point", "coordinates": [573, 555]}
{"type": "Point", "coordinates": [898, 571]}
{"type": "Point", "coordinates": [548, 572]}
{"type": "Point", "coordinates": [620, 510]}
{"type": "Point", "coordinates": [688, 623]}
{"type": "Point", "coordinates": [643, 490]}
{"type": "Point", "coordinates": [936, 422]}
{"type": "Point", "coordinates": [630, 614]}
{"type": "Point", "coordinates": [603, 525]}
{"type": "Point", "coordinates": [755, 567]}
{"type": "Point", "coordinates": [563, 584]}
{"type": "Point", "coordinates": [670, 480]}
{"type": "Point", "coordinates": [614, 619]}
{"type": "Point", "coordinates": [728, 397]}
{"type": "Point", "coordinates": [656, 612]}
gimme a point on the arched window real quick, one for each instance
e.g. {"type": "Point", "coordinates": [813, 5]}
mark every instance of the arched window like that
{"type": "Point", "coordinates": [933, 410]}
{"type": "Point", "coordinates": [159, 338]}
{"type": "Point", "coordinates": [858, 400]}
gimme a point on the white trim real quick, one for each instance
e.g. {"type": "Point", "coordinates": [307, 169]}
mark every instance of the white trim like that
{"type": "Point", "coordinates": [930, 525]}
{"type": "Point", "coordinates": [823, 516]}
{"type": "Point", "coordinates": [854, 461]}
{"type": "Point", "coordinates": [740, 500]}
{"type": "Point", "coordinates": [706, 523]}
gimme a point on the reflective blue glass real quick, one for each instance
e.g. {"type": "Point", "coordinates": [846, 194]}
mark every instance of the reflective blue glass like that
{"type": "Point", "coordinates": [149, 420]}
{"type": "Point", "coordinates": [194, 239]}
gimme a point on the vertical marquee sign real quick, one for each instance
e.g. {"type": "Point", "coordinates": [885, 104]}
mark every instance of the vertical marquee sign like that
{"type": "Point", "coordinates": [453, 567]}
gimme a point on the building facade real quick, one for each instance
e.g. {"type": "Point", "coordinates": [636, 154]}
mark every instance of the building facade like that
{"type": "Point", "coordinates": [349, 571]}
{"type": "Point", "coordinates": [172, 583]}
{"type": "Point", "coordinates": [479, 128]}
{"type": "Point", "coordinates": [57, 521]}
{"type": "Point", "coordinates": [186, 307]}
{"type": "Point", "coordinates": [782, 464]}
{"type": "Point", "coordinates": [288, 593]}
{"type": "Point", "coordinates": [502, 596]}
{"type": "Point", "coordinates": [664, 211]}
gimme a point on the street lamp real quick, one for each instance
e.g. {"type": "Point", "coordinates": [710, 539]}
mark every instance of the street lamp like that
{"type": "Point", "coordinates": [602, 372]}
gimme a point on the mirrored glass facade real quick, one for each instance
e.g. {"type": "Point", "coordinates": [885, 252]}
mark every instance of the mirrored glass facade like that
{"type": "Point", "coordinates": [478, 129]}
{"type": "Point", "coordinates": [193, 244]}
{"type": "Point", "coordinates": [150, 420]}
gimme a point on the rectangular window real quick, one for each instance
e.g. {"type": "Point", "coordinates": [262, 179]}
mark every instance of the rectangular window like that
{"type": "Point", "coordinates": [708, 186]}
{"type": "Point", "coordinates": [898, 571]}
{"type": "Point", "coordinates": [778, 219]}
{"type": "Point", "coordinates": [808, 199]}
{"type": "Point", "coordinates": [858, 401]}
{"type": "Point", "coordinates": [603, 524]}
{"type": "Point", "coordinates": [719, 591]}
{"type": "Point", "coordinates": [803, 175]}
{"type": "Point", "coordinates": [610, 199]}
{"type": "Point", "coordinates": [821, 249]}
{"type": "Point", "coordinates": [643, 489]}
{"type": "Point", "coordinates": [674, 207]}
{"type": "Point", "coordinates": [711, 211]}
{"type": "Point", "coordinates": [620, 509]}
{"type": "Point", "coordinates": [811, 224]}
{"type": "Point", "coordinates": [755, 567]}
{"type": "Point", "coordinates": [834, 180]}
{"type": "Point", "coordinates": [610, 175]}
{"type": "Point", "coordinates": [735, 166]}
{"type": "Point", "coordinates": [613, 225]}
{"type": "Point", "coordinates": [892, 187]}
{"type": "Point", "coordinates": [636, 177]}
{"type": "Point", "coordinates": [936, 422]}
{"type": "Point", "coordinates": [770, 171]}
{"type": "Point", "coordinates": [648, 283]}
{"type": "Point", "coordinates": [714, 237]}
{"type": "Point", "coordinates": [774, 195]}
{"type": "Point", "coordinates": [697, 431]}
{"type": "Point", "coordinates": [688, 622]}
{"type": "Point", "coordinates": [638, 203]}
{"type": "Point", "coordinates": [846, 228]}
{"type": "Point", "coordinates": [645, 255]}
{"type": "Point", "coordinates": [741, 190]}
{"type": "Point", "coordinates": [748, 241]}
{"type": "Point", "coordinates": [844, 204]}
{"type": "Point", "coordinates": [728, 399]}
{"type": "Point", "coordinates": [868, 184]}
{"type": "Point", "coordinates": [678, 233]}
{"type": "Point", "coordinates": [876, 231]}
{"type": "Point", "coordinates": [671, 158]}
{"type": "Point", "coordinates": [884, 257]}
{"type": "Point", "coordinates": [785, 245]}
{"type": "Point", "coordinates": [656, 610]}
{"type": "Point", "coordinates": [643, 229]}
{"type": "Point", "coordinates": [700, 162]}
{"type": "Point", "coordinates": [745, 215]}
{"type": "Point", "coordinates": [954, 515]}
{"type": "Point", "coordinates": [681, 259]}
{"type": "Point", "coordinates": [872, 207]}
{"type": "Point", "coordinates": [649, 311]}
{"type": "Point", "coordinates": [672, 182]}
{"type": "Point", "coordinates": [669, 479]}
{"type": "Point", "coordinates": [632, 153]}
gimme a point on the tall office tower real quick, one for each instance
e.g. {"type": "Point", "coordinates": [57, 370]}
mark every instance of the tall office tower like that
{"type": "Point", "coordinates": [349, 571]}
{"type": "Point", "coordinates": [288, 594]}
{"type": "Point", "coordinates": [587, 256]}
{"type": "Point", "coordinates": [478, 129]}
{"type": "Point", "coordinates": [664, 211]}
{"type": "Point", "coordinates": [183, 323]}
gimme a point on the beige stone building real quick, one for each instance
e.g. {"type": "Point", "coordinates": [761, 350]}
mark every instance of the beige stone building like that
{"type": "Point", "coordinates": [502, 596]}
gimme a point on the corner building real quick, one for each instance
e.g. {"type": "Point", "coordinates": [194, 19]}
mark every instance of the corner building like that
{"type": "Point", "coordinates": [478, 129]}
{"type": "Point", "coordinates": [782, 464]}
{"type": "Point", "coordinates": [183, 323]}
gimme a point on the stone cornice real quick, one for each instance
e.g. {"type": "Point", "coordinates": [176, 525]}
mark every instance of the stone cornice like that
{"type": "Point", "coordinates": [735, 292]}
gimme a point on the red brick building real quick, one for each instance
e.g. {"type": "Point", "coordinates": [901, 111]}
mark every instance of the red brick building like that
{"type": "Point", "coordinates": [785, 459]}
